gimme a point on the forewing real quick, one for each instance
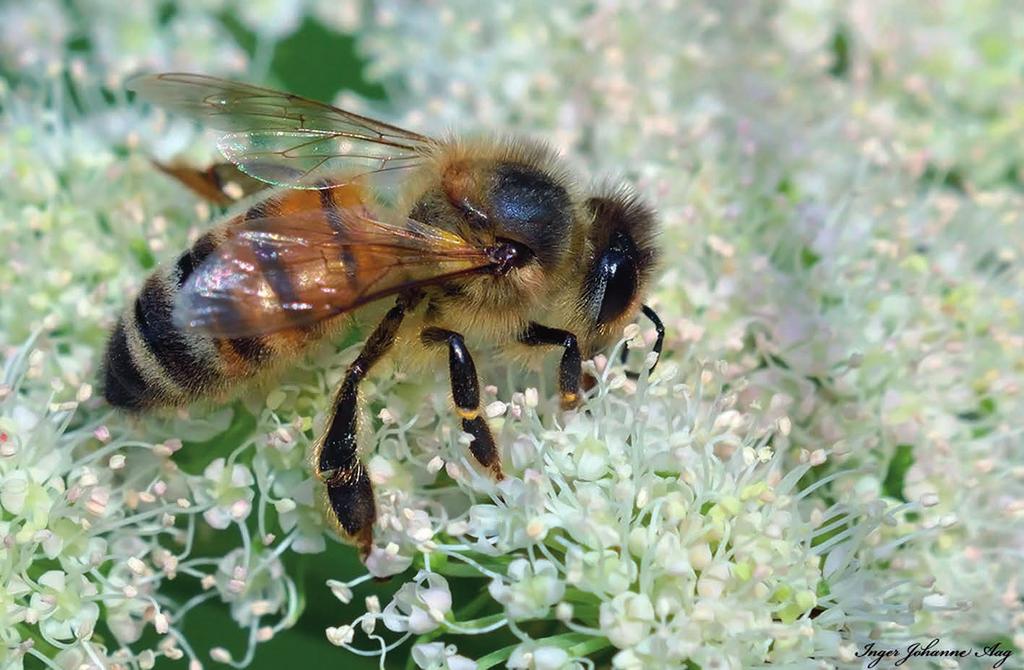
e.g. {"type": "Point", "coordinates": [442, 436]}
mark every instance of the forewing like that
{"type": "Point", "coordinates": [312, 159]}
{"type": "Point", "coordinates": [285, 139]}
{"type": "Point", "coordinates": [277, 273]}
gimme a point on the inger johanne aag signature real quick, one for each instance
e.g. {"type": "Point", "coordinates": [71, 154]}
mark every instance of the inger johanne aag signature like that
{"type": "Point", "coordinates": [900, 656]}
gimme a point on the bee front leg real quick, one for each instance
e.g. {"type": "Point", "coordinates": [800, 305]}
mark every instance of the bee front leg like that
{"type": "Point", "coordinates": [466, 395]}
{"type": "Point", "coordinates": [659, 328]}
{"type": "Point", "coordinates": [349, 491]}
{"type": "Point", "coordinates": [570, 368]}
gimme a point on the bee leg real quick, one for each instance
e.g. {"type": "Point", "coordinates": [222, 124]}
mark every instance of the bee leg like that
{"type": "Point", "coordinates": [659, 328]}
{"type": "Point", "coordinates": [466, 394]}
{"type": "Point", "coordinates": [337, 459]}
{"type": "Point", "coordinates": [220, 184]}
{"type": "Point", "coordinates": [569, 370]}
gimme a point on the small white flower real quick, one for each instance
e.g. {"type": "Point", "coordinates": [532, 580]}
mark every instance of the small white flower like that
{"type": "Point", "coordinates": [438, 656]}
{"type": "Point", "coordinates": [591, 458]}
{"type": "Point", "coordinates": [387, 561]}
{"type": "Point", "coordinates": [340, 636]}
{"type": "Point", "coordinates": [534, 656]}
{"type": "Point", "coordinates": [341, 591]}
{"type": "Point", "coordinates": [220, 654]}
{"type": "Point", "coordinates": [419, 607]}
{"type": "Point", "coordinates": [271, 18]}
{"type": "Point", "coordinates": [627, 619]}
{"type": "Point", "coordinates": [61, 606]}
{"type": "Point", "coordinates": [231, 492]}
{"type": "Point", "coordinates": [14, 489]}
{"type": "Point", "coordinates": [245, 580]}
{"type": "Point", "coordinates": [532, 589]}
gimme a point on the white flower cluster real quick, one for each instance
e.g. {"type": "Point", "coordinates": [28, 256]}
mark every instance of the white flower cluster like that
{"type": "Point", "coordinates": [97, 517]}
{"type": "Point", "coordinates": [93, 524]}
{"type": "Point", "coordinates": [657, 526]}
{"type": "Point", "coordinates": [836, 183]}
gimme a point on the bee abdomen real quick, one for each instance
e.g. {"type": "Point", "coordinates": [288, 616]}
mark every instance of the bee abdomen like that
{"type": "Point", "coordinates": [124, 384]}
{"type": "Point", "coordinates": [180, 357]}
{"type": "Point", "coordinates": [150, 362]}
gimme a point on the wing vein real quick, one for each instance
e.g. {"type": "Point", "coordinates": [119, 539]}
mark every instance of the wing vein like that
{"type": "Point", "coordinates": [264, 130]}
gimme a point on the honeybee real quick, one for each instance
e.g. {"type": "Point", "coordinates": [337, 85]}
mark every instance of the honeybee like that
{"type": "Point", "coordinates": [479, 242]}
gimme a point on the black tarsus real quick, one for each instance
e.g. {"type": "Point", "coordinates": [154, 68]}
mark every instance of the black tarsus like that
{"type": "Point", "coordinates": [659, 327]}
{"type": "Point", "coordinates": [482, 447]}
{"type": "Point", "coordinates": [348, 485]}
{"type": "Point", "coordinates": [466, 395]}
{"type": "Point", "coordinates": [570, 368]}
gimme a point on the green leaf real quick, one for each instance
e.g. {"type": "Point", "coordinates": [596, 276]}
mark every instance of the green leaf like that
{"type": "Point", "coordinates": [338, 64]}
{"type": "Point", "coordinates": [786, 188]}
{"type": "Point", "coordinates": [142, 254]}
{"type": "Point", "coordinates": [840, 53]}
{"type": "Point", "coordinates": [897, 472]}
{"type": "Point", "coordinates": [808, 258]}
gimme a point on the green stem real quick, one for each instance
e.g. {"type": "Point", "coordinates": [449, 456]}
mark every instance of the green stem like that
{"type": "Point", "coordinates": [38, 642]}
{"type": "Point", "coordinates": [477, 624]}
{"type": "Point", "coordinates": [456, 568]}
{"type": "Point", "coordinates": [589, 647]}
{"type": "Point", "coordinates": [475, 605]}
{"type": "Point", "coordinates": [495, 657]}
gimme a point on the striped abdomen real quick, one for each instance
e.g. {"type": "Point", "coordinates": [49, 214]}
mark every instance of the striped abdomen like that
{"type": "Point", "coordinates": [150, 362]}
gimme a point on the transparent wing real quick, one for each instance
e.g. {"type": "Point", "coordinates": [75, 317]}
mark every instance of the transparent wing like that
{"type": "Point", "coordinates": [285, 139]}
{"type": "Point", "coordinates": [276, 273]}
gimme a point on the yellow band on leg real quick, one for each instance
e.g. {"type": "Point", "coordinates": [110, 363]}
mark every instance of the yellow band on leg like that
{"type": "Point", "coordinates": [468, 414]}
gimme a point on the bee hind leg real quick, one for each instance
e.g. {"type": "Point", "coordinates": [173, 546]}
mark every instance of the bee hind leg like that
{"type": "Point", "coordinates": [219, 184]}
{"type": "Point", "coordinates": [570, 367]}
{"type": "Point", "coordinates": [349, 490]}
{"type": "Point", "coordinates": [466, 395]}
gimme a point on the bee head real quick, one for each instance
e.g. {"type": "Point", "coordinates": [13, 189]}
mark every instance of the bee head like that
{"type": "Point", "coordinates": [624, 257]}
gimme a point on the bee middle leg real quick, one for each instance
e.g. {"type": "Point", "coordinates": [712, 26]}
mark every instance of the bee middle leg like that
{"type": "Point", "coordinates": [466, 395]}
{"type": "Point", "coordinates": [570, 367]}
{"type": "Point", "coordinates": [349, 490]}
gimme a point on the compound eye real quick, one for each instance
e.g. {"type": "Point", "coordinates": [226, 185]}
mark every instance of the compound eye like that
{"type": "Point", "coordinates": [617, 271]}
